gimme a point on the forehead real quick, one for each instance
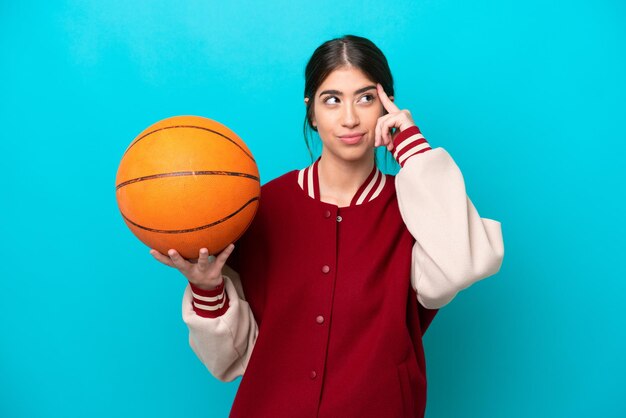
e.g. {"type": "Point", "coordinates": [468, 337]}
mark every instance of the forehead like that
{"type": "Point", "coordinates": [346, 79]}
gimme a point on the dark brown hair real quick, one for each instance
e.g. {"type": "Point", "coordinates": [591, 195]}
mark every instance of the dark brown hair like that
{"type": "Point", "coordinates": [347, 51]}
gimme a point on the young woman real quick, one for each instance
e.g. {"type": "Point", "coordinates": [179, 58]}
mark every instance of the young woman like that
{"type": "Point", "coordinates": [323, 306]}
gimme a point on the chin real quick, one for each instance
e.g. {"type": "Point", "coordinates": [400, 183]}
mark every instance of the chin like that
{"type": "Point", "coordinates": [355, 155]}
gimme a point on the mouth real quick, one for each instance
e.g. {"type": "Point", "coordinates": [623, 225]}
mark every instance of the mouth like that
{"type": "Point", "coordinates": [351, 139]}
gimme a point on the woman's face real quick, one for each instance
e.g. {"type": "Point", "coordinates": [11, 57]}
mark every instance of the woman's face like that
{"type": "Point", "coordinates": [346, 108]}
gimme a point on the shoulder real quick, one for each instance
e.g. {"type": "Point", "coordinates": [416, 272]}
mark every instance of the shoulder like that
{"type": "Point", "coordinates": [279, 190]}
{"type": "Point", "coordinates": [274, 194]}
{"type": "Point", "coordinates": [280, 183]}
{"type": "Point", "coordinates": [390, 179]}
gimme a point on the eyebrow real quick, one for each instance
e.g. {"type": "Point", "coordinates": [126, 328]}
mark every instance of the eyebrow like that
{"type": "Point", "coordinates": [338, 93]}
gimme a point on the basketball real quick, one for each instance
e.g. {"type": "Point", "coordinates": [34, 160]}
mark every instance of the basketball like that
{"type": "Point", "coordinates": [187, 182]}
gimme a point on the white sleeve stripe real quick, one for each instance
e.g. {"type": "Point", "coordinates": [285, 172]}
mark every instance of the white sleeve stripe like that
{"type": "Point", "coordinates": [406, 142]}
{"type": "Point", "coordinates": [208, 298]}
{"type": "Point", "coordinates": [414, 151]}
{"type": "Point", "coordinates": [209, 308]}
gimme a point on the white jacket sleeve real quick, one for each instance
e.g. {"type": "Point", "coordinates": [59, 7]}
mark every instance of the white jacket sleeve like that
{"type": "Point", "coordinates": [223, 344]}
{"type": "Point", "coordinates": [454, 246]}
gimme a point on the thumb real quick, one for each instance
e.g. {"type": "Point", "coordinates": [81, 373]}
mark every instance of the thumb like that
{"type": "Point", "coordinates": [221, 258]}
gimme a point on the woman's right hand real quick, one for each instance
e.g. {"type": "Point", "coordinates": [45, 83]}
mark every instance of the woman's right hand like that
{"type": "Point", "coordinates": [201, 272]}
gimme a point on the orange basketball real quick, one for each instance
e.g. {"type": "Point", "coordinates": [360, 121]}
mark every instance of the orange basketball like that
{"type": "Point", "coordinates": [188, 182]}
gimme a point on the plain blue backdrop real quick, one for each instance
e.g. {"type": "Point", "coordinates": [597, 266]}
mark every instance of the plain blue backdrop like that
{"type": "Point", "coordinates": [528, 98]}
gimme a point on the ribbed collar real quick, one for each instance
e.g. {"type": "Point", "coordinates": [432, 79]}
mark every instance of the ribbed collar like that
{"type": "Point", "coordinates": [308, 180]}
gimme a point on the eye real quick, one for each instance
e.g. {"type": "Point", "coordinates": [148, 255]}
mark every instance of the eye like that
{"type": "Point", "coordinates": [371, 97]}
{"type": "Point", "coordinates": [328, 98]}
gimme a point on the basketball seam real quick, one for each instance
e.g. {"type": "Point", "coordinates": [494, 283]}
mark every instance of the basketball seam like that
{"type": "Point", "coordinates": [187, 173]}
{"type": "Point", "coordinates": [198, 228]}
{"type": "Point", "coordinates": [188, 126]}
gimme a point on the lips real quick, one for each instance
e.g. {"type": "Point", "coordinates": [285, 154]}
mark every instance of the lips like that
{"type": "Point", "coordinates": [352, 139]}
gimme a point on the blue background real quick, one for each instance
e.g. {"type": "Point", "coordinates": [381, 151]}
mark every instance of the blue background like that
{"type": "Point", "coordinates": [528, 98]}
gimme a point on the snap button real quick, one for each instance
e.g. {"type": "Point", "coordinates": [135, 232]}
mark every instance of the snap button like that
{"type": "Point", "coordinates": [339, 218]}
{"type": "Point", "coordinates": [327, 214]}
{"type": "Point", "coordinates": [325, 269]}
{"type": "Point", "coordinates": [313, 374]}
{"type": "Point", "coordinates": [320, 319]}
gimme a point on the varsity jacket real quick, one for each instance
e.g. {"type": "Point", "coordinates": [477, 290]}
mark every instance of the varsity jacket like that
{"type": "Point", "coordinates": [322, 308]}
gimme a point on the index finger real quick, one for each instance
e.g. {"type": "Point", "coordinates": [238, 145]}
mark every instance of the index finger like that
{"type": "Point", "coordinates": [180, 263]}
{"type": "Point", "coordinates": [387, 103]}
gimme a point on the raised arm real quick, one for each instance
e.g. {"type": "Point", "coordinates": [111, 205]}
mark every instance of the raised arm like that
{"type": "Point", "coordinates": [454, 246]}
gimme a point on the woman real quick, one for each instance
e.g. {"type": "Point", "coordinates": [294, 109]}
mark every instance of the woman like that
{"type": "Point", "coordinates": [323, 306]}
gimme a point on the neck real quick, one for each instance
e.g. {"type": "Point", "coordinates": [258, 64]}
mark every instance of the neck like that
{"type": "Point", "coordinates": [340, 179]}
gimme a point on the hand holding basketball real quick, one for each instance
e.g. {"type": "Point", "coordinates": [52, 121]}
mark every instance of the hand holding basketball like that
{"type": "Point", "coordinates": [203, 273]}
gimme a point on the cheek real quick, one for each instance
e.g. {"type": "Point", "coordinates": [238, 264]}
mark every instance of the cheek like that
{"type": "Point", "coordinates": [374, 115]}
{"type": "Point", "coordinates": [325, 121]}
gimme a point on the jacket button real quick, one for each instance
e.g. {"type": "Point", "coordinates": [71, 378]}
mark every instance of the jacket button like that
{"type": "Point", "coordinates": [327, 214]}
{"type": "Point", "coordinates": [339, 218]}
{"type": "Point", "coordinates": [320, 319]}
{"type": "Point", "coordinates": [313, 374]}
{"type": "Point", "coordinates": [325, 269]}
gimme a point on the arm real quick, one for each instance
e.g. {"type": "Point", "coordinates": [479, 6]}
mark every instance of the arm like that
{"type": "Point", "coordinates": [222, 328]}
{"type": "Point", "coordinates": [454, 246]}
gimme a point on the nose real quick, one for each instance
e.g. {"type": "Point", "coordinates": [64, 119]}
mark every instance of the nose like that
{"type": "Point", "coordinates": [349, 117]}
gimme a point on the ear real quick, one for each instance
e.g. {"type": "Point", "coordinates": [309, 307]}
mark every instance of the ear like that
{"type": "Point", "coordinates": [306, 101]}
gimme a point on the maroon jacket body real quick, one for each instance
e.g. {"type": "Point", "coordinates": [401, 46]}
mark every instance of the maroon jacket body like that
{"type": "Point", "coordinates": [340, 329]}
{"type": "Point", "coordinates": [326, 316]}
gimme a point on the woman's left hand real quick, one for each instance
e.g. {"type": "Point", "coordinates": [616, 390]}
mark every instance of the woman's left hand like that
{"type": "Point", "coordinates": [396, 118]}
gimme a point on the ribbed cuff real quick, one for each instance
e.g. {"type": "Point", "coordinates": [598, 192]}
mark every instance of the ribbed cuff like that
{"type": "Point", "coordinates": [409, 143]}
{"type": "Point", "coordinates": [209, 303]}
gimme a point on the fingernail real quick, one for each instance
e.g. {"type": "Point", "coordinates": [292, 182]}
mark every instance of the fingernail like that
{"type": "Point", "coordinates": [171, 253]}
